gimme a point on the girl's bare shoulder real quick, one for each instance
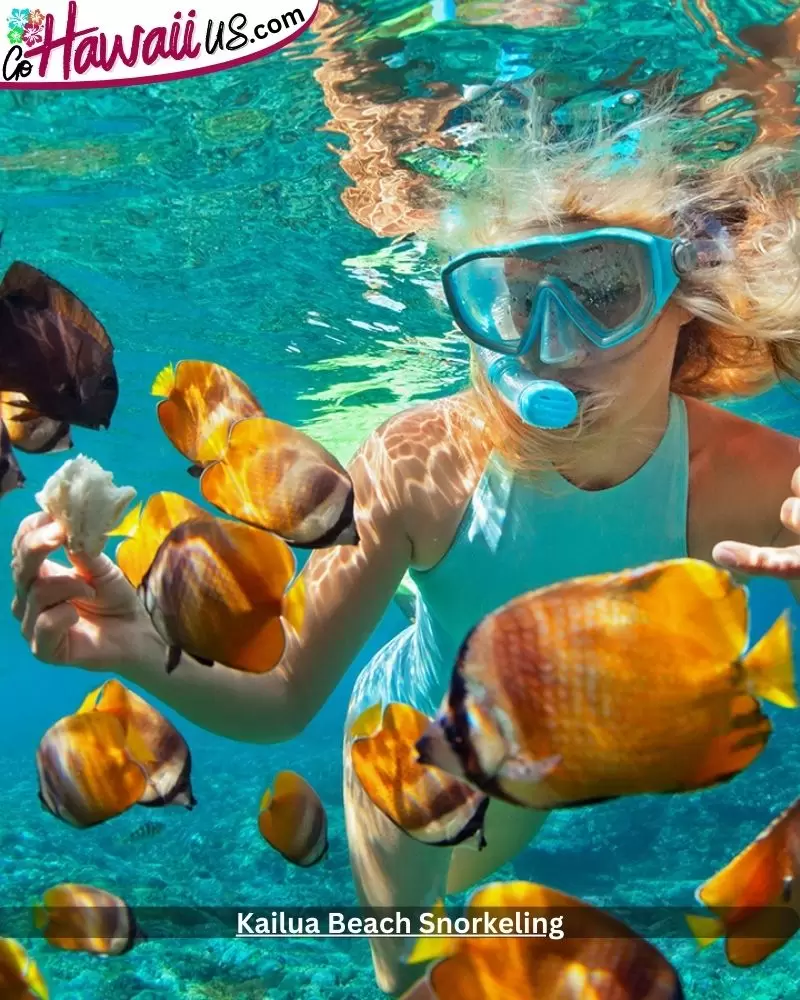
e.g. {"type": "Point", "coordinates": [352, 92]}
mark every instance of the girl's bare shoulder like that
{"type": "Point", "coordinates": [741, 472]}
{"type": "Point", "coordinates": [430, 458]}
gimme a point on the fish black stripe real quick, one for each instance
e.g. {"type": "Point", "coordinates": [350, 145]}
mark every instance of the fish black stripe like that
{"type": "Point", "coordinates": [753, 718]}
{"type": "Point", "coordinates": [752, 740]}
{"type": "Point", "coordinates": [345, 520]}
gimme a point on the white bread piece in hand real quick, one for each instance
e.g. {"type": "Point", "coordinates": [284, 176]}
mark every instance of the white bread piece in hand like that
{"type": "Point", "coordinates": [82, 497]}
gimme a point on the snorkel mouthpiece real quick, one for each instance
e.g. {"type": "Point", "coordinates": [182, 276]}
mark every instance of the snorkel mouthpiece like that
{"type": "Point", "coordinates": [538, 402]}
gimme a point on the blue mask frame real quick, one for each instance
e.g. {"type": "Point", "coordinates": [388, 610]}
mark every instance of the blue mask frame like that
{"type": "Point", "coordinates": [668, 259]}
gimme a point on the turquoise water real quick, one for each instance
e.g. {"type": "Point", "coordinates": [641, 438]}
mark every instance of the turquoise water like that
{"type": "Point", "coordinates": [213, 218]}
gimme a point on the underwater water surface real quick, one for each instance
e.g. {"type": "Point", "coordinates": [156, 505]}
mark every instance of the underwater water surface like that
{"type": "Point", "coordinates": [266, 218]}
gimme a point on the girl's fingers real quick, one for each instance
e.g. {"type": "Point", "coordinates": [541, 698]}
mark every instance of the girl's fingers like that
{"type": "Point", "coordinates": [31, 551]}
{"type": "Point", "coordinates": [50, 591]}
{"type": "Point", "coordinates": [26, 525]}
{"type": "Point", "coordinates": [790, 514]}
{"type": "Point", "coordinates": [758, 560]}
{"type": "Point", "coordinates": [49, 636]}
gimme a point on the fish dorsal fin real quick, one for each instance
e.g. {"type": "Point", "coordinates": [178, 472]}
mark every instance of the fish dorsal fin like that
{"type": "Point", "coordinates": [706, 930]}
{"type": "Point", "coordinates": [432, 949]}
{"type": "Point", "coordinates": [128, 526]}
{"type": "Point", "coordinates": [164, 382]}
{"type": "Point", "coordinates": [368, 723]}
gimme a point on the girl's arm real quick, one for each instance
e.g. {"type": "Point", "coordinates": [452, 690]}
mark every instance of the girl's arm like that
{"type": "Point", "coordinates": [347, 588]}
{"type": "Point", "coordinates": [89, 616]}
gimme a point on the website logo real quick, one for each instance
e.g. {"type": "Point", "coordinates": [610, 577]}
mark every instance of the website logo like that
{"type": "Point", "coordinates": [91, 43]}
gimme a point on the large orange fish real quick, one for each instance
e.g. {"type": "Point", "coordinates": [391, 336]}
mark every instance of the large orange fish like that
{"type": "Point", "coordinates": [169, 763]}
{"type": "Point", "coordinates": [275, 477]}
{"type": "Point", "coordinates": [292, 819]}
{"type": "Point", "coordinates": [20, 978]}
{"type": "Point", "coordinates": [90, 769]}
{"type": "Point", "coordinates": [82, 918]}
{"type": "Point", "coordinates": [144, 529]}
{"type": "Point", "coordinates": [28, 430]}
{"type": "Point", "coordinates": [574, 952]}
{"type": "Point", "coordinates": [616, 684]}
{"type": "Point", "coordinates": [426, 803]}
{"type": "Point", "coordinates": [756, 897]}
{"type": "Point", "coordinates": [201, 401]}
{"type": "Point", "coordinates": [217, 590]}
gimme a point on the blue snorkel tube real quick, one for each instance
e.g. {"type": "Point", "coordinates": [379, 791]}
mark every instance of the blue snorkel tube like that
{"type": "Point", "coordinates": [537, 401]}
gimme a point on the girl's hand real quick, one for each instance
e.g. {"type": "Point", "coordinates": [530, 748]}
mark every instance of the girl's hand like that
{"type": "Point", "coordinates": [781, 561]}
{"type": "Point", "coordinates": [88, 615]}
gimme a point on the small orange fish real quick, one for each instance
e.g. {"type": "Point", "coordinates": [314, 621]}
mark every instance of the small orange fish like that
{"type": "Point", "coordinates": [81, 918]}
{"type": "Point", "coordinates": [292, 819]}
{"type": "Point", "coordinates": [144, 529]}
{"type": "Point", "coordinates": [756, 896]}
{"type": "Point", "coordinates": [275, 477]}
{"type": "Point", "coordinates": [11, 475]}
{"type": "Point", "coordinates": [88, 772]}
{"type": "Point", "coordinates": [617, 684]}
{"type": "Point", "coordinates": [594, 956]}
{"type": "Point", "coordinates": [217, 590]}
{"type": "Point", "coordinates": [426, 803]}
{"type": "Point", "coordinates": [166, 761]}
{"type": "Point", "coordinates": [20, 978]}
{"type": "Point", "coordinates": [28, 430]}
{"type": "Point", "coordinates": [201, 401]}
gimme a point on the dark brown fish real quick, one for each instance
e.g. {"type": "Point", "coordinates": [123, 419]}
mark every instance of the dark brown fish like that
{"type": "Point", "coordinates": [54, 350]}
{"type": "Point", "coordinates": [10, 473]}
{"type": "Point", "coordinates": [145, 832]}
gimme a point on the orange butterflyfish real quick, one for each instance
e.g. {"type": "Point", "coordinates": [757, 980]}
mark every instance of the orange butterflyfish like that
{"type": "Point", "coordinates": [569, 950]}
{"type": "Point", "coordinates": [145, 528]}
{"type": "Point", "coordinates": [275, 477]}
{"type": "Point", "coordinates": [755, 897]}
{"type": "Point", "coordinates": [292, 819]}
{"type": "Point", "coordinates": [201, 401]}
{"type": "Point", "coordinates": [90, 769]}
{"type": "Point", "coordinates": [20, 978]}
{"type": "Point", "coordinates": [167, 761]}
{"type": "Point", "coordinates": [82, 918]}
{"type": "Point", "coordinates": [424, 802]}
{"type": "Point", "coordinates": [609, 685]}
{"type": "Point", "coordinates": [28, 430]}
{"type": "Point", "coordinates": [217, 590]}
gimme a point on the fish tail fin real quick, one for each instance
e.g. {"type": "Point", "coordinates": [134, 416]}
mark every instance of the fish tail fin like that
{"type": "Point", "coordinates": [368, 723]}
{"type": "Point", "coordinates": [164, 382]}
{"type": "Point", "coordinates": [128, 525]}
{"type": "Point", "coordinates": [769, 665]}
{"type": "Point", "coordinates": [431, 949]}
{"type": "Point", "coordinates": [731, 752]}
{"type": "Point", "coordinates": [706, 930]}
{"type": "Point", "coordinates": [266, 798]}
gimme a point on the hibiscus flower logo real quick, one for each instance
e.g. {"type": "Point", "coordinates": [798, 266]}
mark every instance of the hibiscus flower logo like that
{"type": "Point", "coordinates": [32, 34]}
{"type": "Point", "coordinates": [25, 25]}
{"type": "Point", "coordinates": [18, 19]}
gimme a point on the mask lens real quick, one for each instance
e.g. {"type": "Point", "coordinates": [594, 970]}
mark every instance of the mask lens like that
{"type": "Point", "coordinates": [610, 282]}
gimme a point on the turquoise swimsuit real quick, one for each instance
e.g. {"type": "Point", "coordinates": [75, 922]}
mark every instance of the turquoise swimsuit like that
{"type": "Point", "coordinates": [516, 536]}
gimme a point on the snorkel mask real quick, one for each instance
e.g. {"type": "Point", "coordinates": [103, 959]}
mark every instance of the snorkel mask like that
{"type": "Point", "coordinates": [560, 294]}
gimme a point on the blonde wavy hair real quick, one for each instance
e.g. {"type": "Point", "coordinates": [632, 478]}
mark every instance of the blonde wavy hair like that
{"type": "Point", "coordinates": [745, 331]}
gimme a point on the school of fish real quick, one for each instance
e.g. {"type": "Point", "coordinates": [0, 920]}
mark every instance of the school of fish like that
{"type": "Point", "coordinates": [613, 685]}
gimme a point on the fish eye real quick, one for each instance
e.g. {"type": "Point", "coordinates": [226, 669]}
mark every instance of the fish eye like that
{"type": "Point", "coordinates": [108, 382]}
{"type": "Point", "coordinates": [452, 734]}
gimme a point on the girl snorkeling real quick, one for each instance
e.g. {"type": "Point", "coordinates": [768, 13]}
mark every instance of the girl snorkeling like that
{"type": "Point", "coordinates": [611, 289]}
